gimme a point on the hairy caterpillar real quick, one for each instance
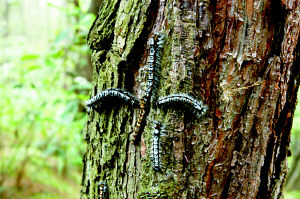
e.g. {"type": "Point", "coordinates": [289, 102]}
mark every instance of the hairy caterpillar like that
{"type": "Point", "coordinates": [156, 147]}
{"type": "Point", "coordinates": [109, 94]}
{"type": "Point", "coordinates": [103, 192]}
{"type": "Point", "coordinates": [195, 106]}
{"type": "Point", "coordinates": [156, 45]}
{"type": "Point", "coordinates": [140, 121]}
{"type": "Point", "coordinates": [154, 64]}
{"type": "Point", "coordinates": [154, 194]}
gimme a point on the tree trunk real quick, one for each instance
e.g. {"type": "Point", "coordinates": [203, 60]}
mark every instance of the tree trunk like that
{"type": "Point", "coordinates": [94, 6]}
{"type": "Point", "coordinates": [240, 58]}
{"type": "Point", "coordinates": [6, 10]}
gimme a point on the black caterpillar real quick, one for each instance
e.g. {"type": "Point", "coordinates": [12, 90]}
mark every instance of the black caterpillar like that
{"type": "Point", "coordinates": [154, 64]}
{"type": "Point", "coordinates": [195, 106]}
{"type": "Point", "coordinates": [156, 152]}
{"type": "Point", "coordinates": [150, 195]}
{"type": "Point", "coordinates": [109, 94]}
{"type": "Point", "coordinates": [156, 45]}
{"type": "Point", "coordinates": [103, 192]}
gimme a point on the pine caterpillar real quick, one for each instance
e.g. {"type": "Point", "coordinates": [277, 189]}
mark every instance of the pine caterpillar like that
{"type": "Point", "coordinates": [195, 106]}
{"type": "Point", "coordinates": [153, 193]}
{"type": "Point", "coordinates": [103, 192]}
{"type": "Point", "coordinates": [112, 94]}
{"type": "Point", "coordinates": [160, 40]}
{"type": "Point", "coordinates": [140, 122]}
{"type": "Point", "coordinates": [156, 45]}
{"type": "Point", "coordinates": [156, 147]}
{"type": "Point", "coordinates": [154, 61]}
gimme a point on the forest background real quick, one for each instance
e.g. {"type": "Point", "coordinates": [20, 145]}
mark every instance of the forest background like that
{"type": "Point", "coordinates": [45, 77]}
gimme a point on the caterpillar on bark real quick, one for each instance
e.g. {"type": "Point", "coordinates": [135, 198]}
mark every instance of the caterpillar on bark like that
{"type": "Point", "coordinates": [103, 192]}
{"type": "Point", "coordinates": [112, 94]}
{"type": "Point", "coordinates": [156, 152]}
{"type": "Point", "coordinates": [188, 102]}
{"type": "Point", "coordinates": [154, 60]}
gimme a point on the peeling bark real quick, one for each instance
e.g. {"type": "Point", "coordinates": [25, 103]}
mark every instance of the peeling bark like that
{"type": "Point", "coordinates": [241, 58]}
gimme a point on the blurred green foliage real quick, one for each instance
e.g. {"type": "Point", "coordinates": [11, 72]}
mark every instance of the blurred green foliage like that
{"type": "Point", "coordinates": [42, 112]}
{"type": "Point", "coordinates": [292, 187]}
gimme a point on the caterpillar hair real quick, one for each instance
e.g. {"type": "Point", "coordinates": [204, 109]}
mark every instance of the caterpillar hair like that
{"type": "Point", "coordinates": [195, 106]}
{"type": "Point", "coordinates": [112, 93]}
{"type": "Point", "coordinates": [103, 192]}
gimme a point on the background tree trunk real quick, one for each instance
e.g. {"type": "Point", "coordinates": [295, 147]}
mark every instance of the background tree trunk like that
{"type": "Point", "coordinates": [94, 6]}
{"type": "Point", "coordinates": [294, 171]}
{"type": "Point", "coordinates": [241, 58]}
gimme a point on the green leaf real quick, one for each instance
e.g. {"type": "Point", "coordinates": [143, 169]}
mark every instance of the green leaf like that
{"type": "Point", "coordinates": [34, 67]}
{"type": "Point", "coordinates": [29, 57]}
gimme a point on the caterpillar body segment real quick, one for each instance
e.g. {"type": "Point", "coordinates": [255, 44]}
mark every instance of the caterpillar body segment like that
{"type": "Point", "coordinates": [195, 106]}
{"type": "Point", "coordinates": [112, 94]}
{"type": "Point", "coordinates": [103, 190]}
{"type": "Point", "coordinates": [156, 153]}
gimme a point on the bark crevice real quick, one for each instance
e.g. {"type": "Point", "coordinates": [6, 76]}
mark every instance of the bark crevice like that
{"type": "Point", "coordinates": [136, 57]}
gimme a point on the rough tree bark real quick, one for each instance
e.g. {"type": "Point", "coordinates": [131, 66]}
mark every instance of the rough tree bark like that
{"type": "Point", "coordinates": [241, 58]}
